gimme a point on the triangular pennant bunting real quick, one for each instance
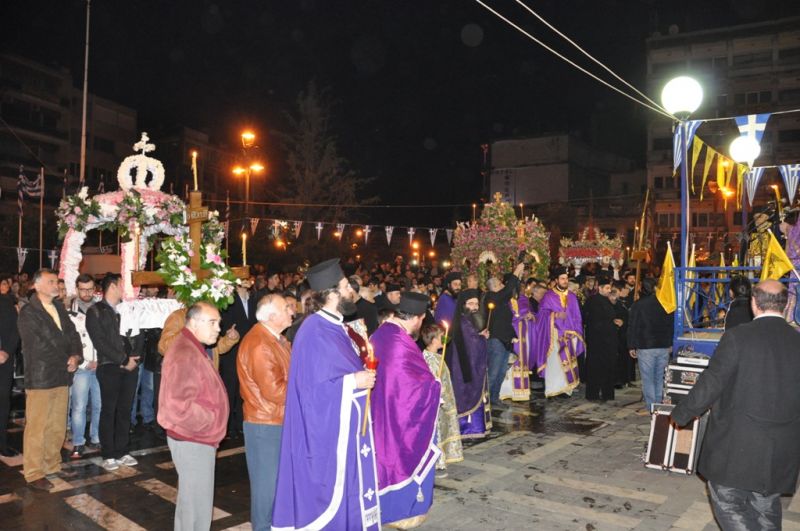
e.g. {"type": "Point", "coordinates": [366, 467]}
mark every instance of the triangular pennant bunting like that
{"type": "Point", "coordinates": [340, 230]}
{"type": "Point", "coordinates": [53, 256]}
{"type": "Point", "coordinates": [411, 231]}
{"type": "Point", "coordinates": [433, 236]}
{"type": "Point", "coordinates": [253, 225]}
{"type": "Point", "coordinates": [697, 147]}
{"type": "Point", "coordinates": [367, 230]}
{"type": "Point", "coordinates": [297, 225]}
{"type": "Point", "coordinates": [752, 125]}
{"type": "Point", "coordinates": [751, 182]}
{"type": "Point", "coordinates": [318, 228]}
{"type": "Point", "coordinates": [22, 254]}
{"type": "Point", "coordinates": [790, 174]}
{"type": "Point", "coordinates": [677, 149]}
{"type": "Point", "coordinates": [389, 231]}
{"type": "Point", "coordinates": [710, 153]}
{"type": "Point", "coordinates": [276, 228]}
{"type": "Point", "coordinates": [449, 233]}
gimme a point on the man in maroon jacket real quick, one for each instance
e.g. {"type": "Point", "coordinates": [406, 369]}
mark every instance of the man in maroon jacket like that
{"type": "Point", "coordinates": [193, 409]}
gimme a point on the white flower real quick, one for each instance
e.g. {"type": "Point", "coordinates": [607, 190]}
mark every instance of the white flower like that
{"type": "Point", "coordinates": [84, 192]}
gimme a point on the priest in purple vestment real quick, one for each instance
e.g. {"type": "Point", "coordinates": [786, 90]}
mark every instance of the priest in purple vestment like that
{"type": "Point", "coordinates": [446, 305]}
{"type": "Point", "coordinates": [467, 358]}
{"type": "Point", "coordinates": [327, 478]}
{"type": "Point", "coordinates": [559, 337]}
{"type": "Point", "coordinates": [405, 404]}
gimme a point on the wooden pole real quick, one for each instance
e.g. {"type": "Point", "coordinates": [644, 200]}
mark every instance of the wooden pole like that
{"type": "Point", "coordinates": [41, 221]}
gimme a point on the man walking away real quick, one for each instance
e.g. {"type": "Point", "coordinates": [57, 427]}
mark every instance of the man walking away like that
{"type": "Point", "coordinates": [750, 453]}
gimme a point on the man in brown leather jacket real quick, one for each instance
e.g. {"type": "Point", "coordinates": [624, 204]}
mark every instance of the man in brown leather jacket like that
{"type": "Point", "coordinates": [263, 368]}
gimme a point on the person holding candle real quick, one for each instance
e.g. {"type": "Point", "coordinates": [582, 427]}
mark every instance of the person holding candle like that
{"type": "Point", "coordinates": [405, 404]}
{"type": "Point", "coordinates": [326, 472]}
{"type": "Point", "coordinates": [467, 360]}
{"type": "Point", "coordinates": [448, 434]}
{"type": "Point", "coordinates": [446, 305]}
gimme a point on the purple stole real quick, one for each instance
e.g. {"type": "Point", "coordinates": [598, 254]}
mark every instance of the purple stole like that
{"type": "Point", "coordinates": [565, 334]}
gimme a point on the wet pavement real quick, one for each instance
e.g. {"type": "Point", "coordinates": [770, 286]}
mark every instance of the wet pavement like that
{"type": "Point", "coordinates": [561, 463]}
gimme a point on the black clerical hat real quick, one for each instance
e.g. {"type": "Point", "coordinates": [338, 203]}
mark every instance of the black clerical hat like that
{"type": "Point", "coordinates": [558, 271]}
{"type": "Point", "coordinates": [602, 280]}
{"type": "Point", "coordinates": [325, 275]}
{"type": "Point", "coordinates": [471, 293]}
{"type": "Point", "coordinates": [451, 276]}
{"type": "Point", "coordinates": [392, 287]}
{"type": "Point", "coordinates": [413, 303]}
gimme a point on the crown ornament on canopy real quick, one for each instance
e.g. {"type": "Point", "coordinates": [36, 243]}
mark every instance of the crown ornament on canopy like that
{"type": "Point", "coordinates": [135, 169]}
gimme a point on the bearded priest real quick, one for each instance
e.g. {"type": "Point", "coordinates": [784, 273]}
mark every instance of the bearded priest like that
{"type": "Point", "coordinates": [405, 404]}
{"type": "Point", "coordinates": [326, 474]}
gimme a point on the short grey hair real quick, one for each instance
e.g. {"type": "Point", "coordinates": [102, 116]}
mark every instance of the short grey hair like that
{"type": "Point", "coordinates": [493, 283]}
{"type": "Point", "coordinates": [266, 306]}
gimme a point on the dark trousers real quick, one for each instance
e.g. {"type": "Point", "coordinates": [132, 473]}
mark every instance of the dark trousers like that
{"type": "Point", "coordinates": [6, 381]}
{"type": "Point", "coordinates": [743, 510]}
{"type": "Point", "coordinates": [227, 370]}
{"type": "Point", "coordinates": [117, 387]}
{"type": "Point", "coordinates": [600, 373]}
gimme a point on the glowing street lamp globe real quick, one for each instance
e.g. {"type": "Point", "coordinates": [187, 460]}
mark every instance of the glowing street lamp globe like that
{"type": "Point", "coordinates": [682, 96]}
{"type": "Point", "coordinates": [745, 149]}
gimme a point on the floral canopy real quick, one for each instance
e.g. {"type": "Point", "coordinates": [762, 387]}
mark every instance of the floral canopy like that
{"type": "Point", "coordinates": [591, 246]}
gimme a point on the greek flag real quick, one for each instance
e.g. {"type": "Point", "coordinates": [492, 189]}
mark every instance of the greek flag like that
{"type": "Point", "coordinates": [752, 125]}
{"type": "Point", "coordinates": [751, 179]}
{"type": "Point", "coordinates": [27, 187]}
{"type": "Point", "coordinates": [690, 127]}
{"type": "Point", "coordinates": [790, 174]}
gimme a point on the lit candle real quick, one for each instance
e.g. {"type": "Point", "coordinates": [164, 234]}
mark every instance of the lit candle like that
{"type": "Point", "coordinates": [371, 365]}
{"type": "Point", "coordinates": [444, 348]}
{"type": "Point", "coordinates": [489, 320]}
{"type": "Point", "coordinates": [136, 233]}
{"type": "Point", "coordinates": [474, 206]}
{"type": "Point", "coordinates": [778, 198]}
{"type": "Point", "coordinates": [521, 211]}
{"type": "Point", "coordinates": [244, 249]}
{"type": "Point", "coordinates": [194, 168]}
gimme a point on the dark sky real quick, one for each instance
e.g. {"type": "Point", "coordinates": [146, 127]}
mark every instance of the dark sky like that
{"type": "Point", "coordinates": [417, 85]}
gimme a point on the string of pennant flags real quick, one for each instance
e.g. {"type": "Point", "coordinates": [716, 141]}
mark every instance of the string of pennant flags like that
{"type": "Point", "coordinates": [747, 176]}
{"type": "Point", "coordinates": [278, 227]}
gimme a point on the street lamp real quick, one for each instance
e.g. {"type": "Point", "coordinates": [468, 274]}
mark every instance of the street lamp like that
{"type": "Point", "coordinates": [250, 167]}
{"type": "Point", "coordinates": [682, 96]}
{"type": "Point", "coordinates": [745, 149]}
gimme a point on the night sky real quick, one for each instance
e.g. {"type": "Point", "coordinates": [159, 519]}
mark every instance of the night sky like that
{"type": "Point", "coordinates": [417, 86]}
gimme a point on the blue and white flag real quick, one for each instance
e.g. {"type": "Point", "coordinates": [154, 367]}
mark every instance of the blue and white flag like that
{"type": "Point", "coordinates": [27, 187]}
{"type": "Point", "coordinates": [790, 174]}
{"type": "Point", "coordinates": [677, 150]}
{"type": "Point", "coordinates": [751, 179]}
{"type": "Point", "coordinates": [752, 125]}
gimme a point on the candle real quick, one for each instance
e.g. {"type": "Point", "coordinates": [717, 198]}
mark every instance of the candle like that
{"type": "Point", "coordinates": [521, 211]}
{"type": "Point", "coordinates": [194, 168]}
{"type": "Point", "coordinates": [474, 206]}
{"type": "Point", "coordinates": [244, 249]}
{"type": "Point", "coordinates": [491, 309]}
{"type": "Point", "coordinates": [779, 204]}
{"type": "Point", "coordinates": [372, 365]}
{"type": "Point", "coordinates": [136, 247]}
{"type": "Point", "coordinates": [444, 348]}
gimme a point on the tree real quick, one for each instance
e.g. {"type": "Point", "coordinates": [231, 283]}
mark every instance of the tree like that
{"type": "Point", "coordinates": [316, 173]}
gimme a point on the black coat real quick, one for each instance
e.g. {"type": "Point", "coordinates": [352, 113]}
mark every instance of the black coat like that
{"type": "Point", "coordinates": [649, 326]}
{"type": "Point", "coordinates": [9, 335]}
{"type": "Point", "coordinates": [602, 335]}
{"type": "Point", "coordinates": [739, 312]}
{"type": "Point", "coordinates": [46, 348]}
{"type": "Point", "coordinates": [234, 315]}
{"type": "Point", "coordinates": [753, 436]}
{"type": "Point", "coordinates": [102, 324]}
{"type": "Point", "coordinates": [369, 312]}
{"type": "Point", "coordinates": [501, 325]}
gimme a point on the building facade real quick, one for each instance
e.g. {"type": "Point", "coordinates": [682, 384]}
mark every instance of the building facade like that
{"type": "Point", "coordinates": [745, 69]}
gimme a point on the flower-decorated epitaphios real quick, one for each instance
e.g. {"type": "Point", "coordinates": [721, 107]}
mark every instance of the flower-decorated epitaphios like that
{"type": "Point", "coordinates": [591, 246]}
{"type": "Point", "coordinates": [493, 244]}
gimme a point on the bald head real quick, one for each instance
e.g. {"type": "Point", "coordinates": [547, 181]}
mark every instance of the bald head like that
{"type": "Point", "coordinates": [203, 320]}
{"type": "Point", "coordinates": [769, 296]}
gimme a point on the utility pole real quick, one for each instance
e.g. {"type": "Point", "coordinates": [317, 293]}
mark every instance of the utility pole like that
{"type": "Point", "coordinates": [82, 176]}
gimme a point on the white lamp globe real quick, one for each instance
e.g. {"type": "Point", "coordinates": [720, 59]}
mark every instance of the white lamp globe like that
{"type": "Point", "coordinates": [745, 149]}
{"type": "Point", "coordinates": [682, 96]}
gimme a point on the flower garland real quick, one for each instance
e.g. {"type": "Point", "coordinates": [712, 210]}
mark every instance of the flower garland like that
{"type": "Point", "coordinates": [592, 246]}
{"type": "Point", "coordinates": [175, 257]}
{"type": "Point", "coordinates": [492, 245]}
{"type": "Point", "coordinates": [77, 212]}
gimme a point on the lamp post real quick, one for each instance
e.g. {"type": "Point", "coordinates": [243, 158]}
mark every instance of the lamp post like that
{"type": "Point", "coordinates": [682, 96]}
{"type": "Point", "coordinates": [248, 168]}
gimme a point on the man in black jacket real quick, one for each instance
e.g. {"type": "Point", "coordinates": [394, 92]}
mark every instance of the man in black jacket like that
{"type": "Point", "coordinates": [117, 372]}
{"type": "Point", "coordinates": [739, 311]}
{"type": "Point", "coordinates": [9, 343]}
{"type": "Point", "coordinates": [501, 331]}
{"type": "Point", "coordinates": [750, 452]}
{"type": "Point", "coordinates": [650, 341]}
{"type": "Point", "coordinates": [52, 351]}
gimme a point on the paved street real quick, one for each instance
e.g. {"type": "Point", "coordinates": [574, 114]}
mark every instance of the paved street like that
{"type": "Point", "coordinates": [562, 464]}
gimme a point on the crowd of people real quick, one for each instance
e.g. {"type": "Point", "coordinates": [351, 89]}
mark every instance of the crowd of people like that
{"type": "Point", "coordinates": [353, 387]}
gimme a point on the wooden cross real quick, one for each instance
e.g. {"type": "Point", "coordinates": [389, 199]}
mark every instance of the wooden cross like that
{"type": "Point", "coordinates": [197, 214]}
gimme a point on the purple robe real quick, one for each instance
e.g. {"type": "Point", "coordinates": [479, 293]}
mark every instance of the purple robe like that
{"type": "Point", "coordinates": [445, 309]}
{"type": "Point", "coordinates": [327, 478]}
{"type": "Point", "coordinates": [561, 332]}
{"type": "Point", "coordinates": [405, 404]}
{"type": "Point", "coordinates": [470, 404]}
